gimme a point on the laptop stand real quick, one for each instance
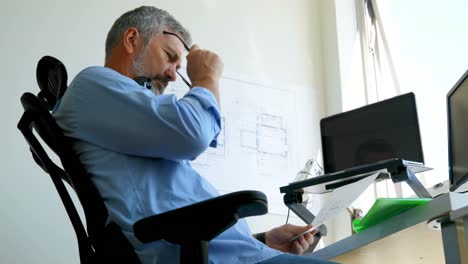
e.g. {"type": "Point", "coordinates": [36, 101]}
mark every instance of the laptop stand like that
{"type": "Point", "coordinates": [396, 169]}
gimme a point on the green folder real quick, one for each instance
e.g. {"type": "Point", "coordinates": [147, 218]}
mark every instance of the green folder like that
{"type": "Point", "coordinates": [385, 208]}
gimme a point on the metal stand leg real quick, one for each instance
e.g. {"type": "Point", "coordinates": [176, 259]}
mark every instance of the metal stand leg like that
{"type": "Point", "coordinates": [462, 214]}
{"type": "Point", "coordinates": [294, 202]}
{"type": "Point", "coordinates": [416, 185]}
{"type": "Point", "coordinates": [465, 230]}
{"type": "Point", "coordinates": [451, 245]}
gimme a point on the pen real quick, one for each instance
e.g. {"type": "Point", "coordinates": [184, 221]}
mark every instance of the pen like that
{"type": "Point", "coordinates": [303, 233]}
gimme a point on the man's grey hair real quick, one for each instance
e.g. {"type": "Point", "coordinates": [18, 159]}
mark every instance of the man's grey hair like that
{"type": "Point", "coordinates": [149, 21]}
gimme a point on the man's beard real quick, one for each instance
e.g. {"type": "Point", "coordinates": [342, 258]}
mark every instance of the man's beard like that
{"type": "Point", "coordinates": [159, 82]}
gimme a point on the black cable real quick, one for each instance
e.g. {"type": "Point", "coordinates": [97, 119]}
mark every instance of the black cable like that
{"type": "Point", "coordinates": [185, 80]}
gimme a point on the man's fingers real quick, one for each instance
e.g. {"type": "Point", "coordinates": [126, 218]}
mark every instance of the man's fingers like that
{"type": "Point", "coordinates": [315, 231]}
{"type": "Point", "coordinates": [304, 243]}
{"type": "Point", "coordinates": [194, 47]}
{"type": "Point", "coordinates": [298, 248]}
{"type": "Point", "coordinates": [309, 237]}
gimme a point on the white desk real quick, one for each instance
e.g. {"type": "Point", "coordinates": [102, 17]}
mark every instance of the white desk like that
{"type": "Point", "coordinates": [447, 208]}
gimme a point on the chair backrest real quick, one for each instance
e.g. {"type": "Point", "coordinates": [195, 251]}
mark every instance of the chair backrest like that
{"type": "Point", "coordinates": [102, 242]}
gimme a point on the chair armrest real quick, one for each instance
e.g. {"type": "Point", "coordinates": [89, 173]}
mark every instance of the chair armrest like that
{"type": "Point", "coordinates": [203, 220]}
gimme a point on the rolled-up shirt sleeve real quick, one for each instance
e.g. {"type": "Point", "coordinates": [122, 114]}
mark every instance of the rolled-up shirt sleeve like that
{"type": "Point", "coordinates": [124, 117]}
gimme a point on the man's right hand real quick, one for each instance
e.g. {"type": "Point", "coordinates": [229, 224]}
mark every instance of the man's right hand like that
{"type": "Point", "coordinates": [204, 68]}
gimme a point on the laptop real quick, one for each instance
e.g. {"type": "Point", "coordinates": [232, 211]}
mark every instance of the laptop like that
{"type": "Point", "coordinates": [457, 120]}
{"type": "Point", "coordinates": [380, 137]}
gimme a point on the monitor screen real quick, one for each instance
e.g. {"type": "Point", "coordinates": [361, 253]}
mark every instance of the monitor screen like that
{"type": "Point", "coordinates": [383, 130]}
{"type": "Point", "coordinates": [457, 117]}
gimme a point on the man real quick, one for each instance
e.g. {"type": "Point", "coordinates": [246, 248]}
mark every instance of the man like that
{"type": "Point", "coordinates": [137, 146]}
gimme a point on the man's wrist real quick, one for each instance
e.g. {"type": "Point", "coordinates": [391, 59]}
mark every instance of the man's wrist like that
{"type": "Point", "coordinates": [208, 83]}
{"type": "Point", "coordinates": [213, 88]}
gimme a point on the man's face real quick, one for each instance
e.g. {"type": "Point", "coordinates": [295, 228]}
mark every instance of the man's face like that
{"type": "Point", "coordinates": [159, 60]}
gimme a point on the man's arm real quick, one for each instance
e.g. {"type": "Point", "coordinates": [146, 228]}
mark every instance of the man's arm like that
{"type": "Point", "coordinates": [126, 118]}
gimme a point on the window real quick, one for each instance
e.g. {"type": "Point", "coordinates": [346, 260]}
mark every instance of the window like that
{"type": "Point", "coordinates": [418, 46]}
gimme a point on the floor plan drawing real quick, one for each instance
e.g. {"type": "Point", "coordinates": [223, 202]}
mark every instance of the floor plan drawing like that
{"type": "Point", "coordinates": [257, 141]}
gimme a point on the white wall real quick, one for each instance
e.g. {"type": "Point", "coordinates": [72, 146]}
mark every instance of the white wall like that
{"type": "Point", "coordinates": [264, 40]}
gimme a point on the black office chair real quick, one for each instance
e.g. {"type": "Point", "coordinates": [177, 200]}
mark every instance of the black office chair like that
{"type": "Point", "coordinates": [192, 227]}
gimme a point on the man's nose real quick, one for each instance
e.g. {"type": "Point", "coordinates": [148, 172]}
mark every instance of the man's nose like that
{"type": "Point", "coordinates": [171, 74]}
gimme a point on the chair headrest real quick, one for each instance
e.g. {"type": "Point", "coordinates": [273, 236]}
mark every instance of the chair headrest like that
{"type": "Point", "coordinates": [52, 79]}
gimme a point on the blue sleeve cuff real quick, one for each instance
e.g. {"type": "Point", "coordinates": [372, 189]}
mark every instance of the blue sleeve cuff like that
{"type": "Point", "coordinates": [208, 101]}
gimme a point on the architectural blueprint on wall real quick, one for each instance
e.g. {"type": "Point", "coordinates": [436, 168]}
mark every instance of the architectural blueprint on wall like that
{"type": "Point", "coordinates": [256, 145]}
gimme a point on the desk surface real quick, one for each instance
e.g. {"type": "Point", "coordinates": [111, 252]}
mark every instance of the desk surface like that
{"type": "Point", "coordinates": [439, 206]}
{"type": "Point", "coordinates": [417, 244]}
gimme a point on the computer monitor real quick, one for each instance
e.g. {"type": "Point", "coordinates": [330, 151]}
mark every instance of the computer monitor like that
{"type": "Point", "coordinates": [457, 117]}
{"type": "Point", "coordinates": [383, 130]}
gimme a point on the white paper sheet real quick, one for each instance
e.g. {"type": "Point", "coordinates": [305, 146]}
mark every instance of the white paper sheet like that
{"type": "Point", "coordinates": [342, 197]}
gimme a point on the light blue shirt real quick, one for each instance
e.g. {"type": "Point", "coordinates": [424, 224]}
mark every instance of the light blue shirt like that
{"type": "Point", "coordinates": [137, 147]}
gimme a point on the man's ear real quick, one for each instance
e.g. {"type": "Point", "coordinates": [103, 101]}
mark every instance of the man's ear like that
{"type": "Point", "coordinates": [131, 40]}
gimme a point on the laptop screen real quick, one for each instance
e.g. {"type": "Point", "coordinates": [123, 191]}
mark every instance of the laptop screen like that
{"type": "Point", "coordinates": [457, 117]}
{"type": "Point", "coordinates": [375, 132]}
